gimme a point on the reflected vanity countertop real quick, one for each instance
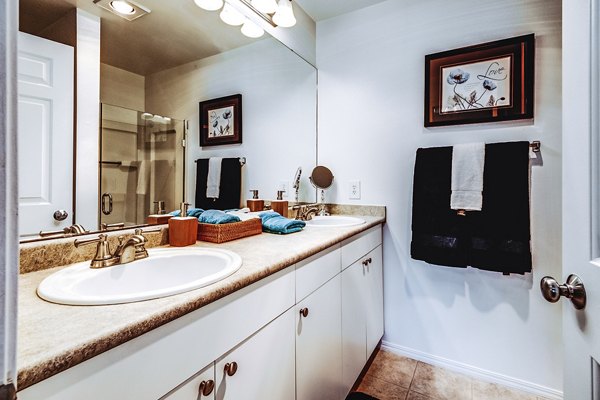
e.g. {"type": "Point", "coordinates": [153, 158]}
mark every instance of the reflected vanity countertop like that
{"type": "Point", "coordinates": [53, 337]}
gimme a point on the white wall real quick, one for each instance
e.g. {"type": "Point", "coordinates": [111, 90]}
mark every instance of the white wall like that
{"type": "Point", "coordinates": [278, 112]}
{"type": "Point", "coordinates": [122, 88]}
{"type": "Point", "coordinates": [371, 84]}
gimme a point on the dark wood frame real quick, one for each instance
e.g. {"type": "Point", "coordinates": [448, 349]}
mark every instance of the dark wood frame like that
{"type": "Point", "coordinates": [522, 51]}
{"type": "Point", "coordinates": [234, 101]}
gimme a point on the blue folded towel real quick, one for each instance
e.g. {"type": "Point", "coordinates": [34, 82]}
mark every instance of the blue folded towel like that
{"type": "Point", "coordinates": [273, 222]}
{"type": "Point", "coordinates": [192, 212]}
{"type": "Point", "coordinates": [217, 217]}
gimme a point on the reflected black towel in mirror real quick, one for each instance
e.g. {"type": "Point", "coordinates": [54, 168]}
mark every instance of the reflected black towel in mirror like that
{"type": "Point", "coordinates": [230, 186]}
{"type": "Point", "coordinates": [498, 237]}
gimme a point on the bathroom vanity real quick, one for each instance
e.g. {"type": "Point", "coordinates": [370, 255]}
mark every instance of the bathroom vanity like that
{"type": "Point", "coordinates": [298, 320]}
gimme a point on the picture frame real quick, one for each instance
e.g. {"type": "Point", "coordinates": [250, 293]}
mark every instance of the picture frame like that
{"type": "Point", "coordinates": [221, 121]}
{"type": "Point", "coordinates": [487, 82]}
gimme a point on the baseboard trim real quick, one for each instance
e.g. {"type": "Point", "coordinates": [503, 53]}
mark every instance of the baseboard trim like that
{"type": "Point", "coordinates": [474, 372]}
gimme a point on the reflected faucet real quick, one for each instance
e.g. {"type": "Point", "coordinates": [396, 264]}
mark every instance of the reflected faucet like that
{"type": "Point", "coordinates": [76, 229]}
{"type": "Point", "coordinates": [296, 185]}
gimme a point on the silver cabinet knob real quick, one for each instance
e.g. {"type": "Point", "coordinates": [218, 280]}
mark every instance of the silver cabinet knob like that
{"type": "Point", "coordinates": [60, 215]}
{"type": "Point", "coordinates": [573, 289]}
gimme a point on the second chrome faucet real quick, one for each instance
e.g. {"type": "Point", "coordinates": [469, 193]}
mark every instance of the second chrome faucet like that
{"type": "Point", "coordinates": [127, 251]}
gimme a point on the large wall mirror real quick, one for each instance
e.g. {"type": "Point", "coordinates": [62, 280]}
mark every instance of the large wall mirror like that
{"type": "Point", "coordinates": [154, 71]}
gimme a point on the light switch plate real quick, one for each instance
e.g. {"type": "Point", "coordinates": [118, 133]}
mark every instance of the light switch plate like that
{"type": "Point", "coordinates": [354, 190]}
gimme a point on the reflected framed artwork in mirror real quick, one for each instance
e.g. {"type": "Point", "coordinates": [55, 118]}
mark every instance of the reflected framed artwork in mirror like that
{"type": "Point", "coordinates": [483, 83]}
{"type": "Point", "coordinates": [221, 121]}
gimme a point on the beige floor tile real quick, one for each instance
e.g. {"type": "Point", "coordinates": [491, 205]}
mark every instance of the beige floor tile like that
{"type": "Point", "coordinates": [393, 368]}
{"type": "Point", "coordinates": [439, 383]}
{"type": "Point", "coordinates": [492, 391]}
{"type": "Point", "coordinates": [381, 389]}
{"type": "Point", "coordinates": [417, 396]}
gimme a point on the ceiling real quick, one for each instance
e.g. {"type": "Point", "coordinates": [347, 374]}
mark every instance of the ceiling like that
{"type": "Point", "coordinates": [174, 33]}
{"type": "Point", "coordinates": [324, 9]}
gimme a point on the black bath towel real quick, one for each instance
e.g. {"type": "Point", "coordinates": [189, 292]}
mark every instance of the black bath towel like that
{"type": "Point", "coordinates": [230, 188]}
{"type": "Point", "coordinates": [497, 238]}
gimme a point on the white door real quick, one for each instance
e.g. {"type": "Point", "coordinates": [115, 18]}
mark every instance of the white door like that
{"type": "Point", "coordinates": [45, 134]}
{"type": "Point", "coordinates": [581, 200]}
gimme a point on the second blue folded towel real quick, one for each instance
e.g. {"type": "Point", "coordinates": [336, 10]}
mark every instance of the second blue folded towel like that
{"type": "Point", "coordinates": [217, 217]}
{"type": "Point", "coordinates": [273, 222]}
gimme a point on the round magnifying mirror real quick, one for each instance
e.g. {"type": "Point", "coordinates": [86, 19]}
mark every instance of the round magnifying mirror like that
{"type": "Point", "coordinates": [321, 177]}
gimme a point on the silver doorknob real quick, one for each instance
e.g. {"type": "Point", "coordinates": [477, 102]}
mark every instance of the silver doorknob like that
{"type": "Point", "coordinates": [60, 215]}
{"type": "Point", "coordinates": [573, 289]}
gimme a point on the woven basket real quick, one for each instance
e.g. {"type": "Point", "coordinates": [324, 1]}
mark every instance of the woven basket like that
{"type": "Point", "coordinates": [219, 233]}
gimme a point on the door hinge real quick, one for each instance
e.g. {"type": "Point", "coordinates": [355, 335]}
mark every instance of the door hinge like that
{"type": "Point", "coordinates": [8, 392]}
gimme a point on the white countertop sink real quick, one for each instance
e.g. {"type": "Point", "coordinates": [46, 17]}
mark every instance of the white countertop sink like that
{"type": "Point", "coordinates": [334, 221]}
{"type": "Point", "coordinates": [167, 271]}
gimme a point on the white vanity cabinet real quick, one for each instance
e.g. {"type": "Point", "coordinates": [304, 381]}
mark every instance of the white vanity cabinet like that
{"type": "Point", "coordinates": [362, 303]}
{"type": "Point", "coordinates": [302, 333]}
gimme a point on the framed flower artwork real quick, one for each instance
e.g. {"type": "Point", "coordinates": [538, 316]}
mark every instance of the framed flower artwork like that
{"type": "Point", "coordinates": [483, 83]}
{"type": "Point", "coordinates": [221, 121]}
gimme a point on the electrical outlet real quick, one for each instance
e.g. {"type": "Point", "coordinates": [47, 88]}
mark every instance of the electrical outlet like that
{"type": "Point", "coordinates": [354, 190]}
{"type": "Point", "coordinates": [285, 186]}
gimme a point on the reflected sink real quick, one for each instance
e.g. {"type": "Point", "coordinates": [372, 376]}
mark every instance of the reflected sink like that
{"type": "Point", "coordinates": [165, 272]}
{"type": "Point", "coordinates": [335, 221]}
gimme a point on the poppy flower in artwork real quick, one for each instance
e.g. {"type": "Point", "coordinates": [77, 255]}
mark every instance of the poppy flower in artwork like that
{"type": "Point", "coordinates": [489, 85]}
{"type": "Point", "coordinates": [215, 123]}
{"type": "Point", "coordinates": [227, 114]}
{"type": "Point", "coordinates": [457, 76]}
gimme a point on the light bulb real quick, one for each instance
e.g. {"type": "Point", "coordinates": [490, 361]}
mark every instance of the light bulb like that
{"type": "Point", "coordinates": [265, 6]}
{"type": "Point", "coordinates": [284, 16]}
{"type": "Point", "coordinates": [252, 30]}
{"type": "Point", "coordinates": [122, 7]}
{"type": "Point", "coordinates": [210, 5]}
{"type": "Point", "coordinates": [231, 16]}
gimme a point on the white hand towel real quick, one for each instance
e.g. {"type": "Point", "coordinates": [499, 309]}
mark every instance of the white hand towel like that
{"type": "Point", "coordinates": [213, 182]}
{"type": "Point", "coordinates": [467, 176]}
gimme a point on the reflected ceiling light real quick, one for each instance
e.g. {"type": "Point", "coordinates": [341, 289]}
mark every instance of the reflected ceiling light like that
{"type": "Point", "coordinates": [210, 5]}
{"type": "Point", "coordinates": [122, 7]}
{"type": "Point", "coordinates": [252, 30]}
{"type": "Point", "coordinates": [265, 6]}
{"type": "Point", "coordinates": [129, 10]}
{"type": "Point", "coordinates": [231, 16]}
{"type": "Point", "coordinates": [284, 16]}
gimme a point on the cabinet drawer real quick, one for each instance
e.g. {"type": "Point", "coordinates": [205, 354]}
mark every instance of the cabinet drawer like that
{"type": "Point", "coordinates": [316, 270]}
{"type": "Point", "coordinates": [359, 245]}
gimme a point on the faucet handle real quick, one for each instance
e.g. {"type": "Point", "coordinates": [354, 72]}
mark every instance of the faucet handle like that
{"type": "Point", "coordinates": [103, 254]}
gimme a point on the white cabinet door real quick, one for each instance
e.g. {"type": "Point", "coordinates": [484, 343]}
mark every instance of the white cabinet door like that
{"type": "Point", "coordinates": [319, 344]}
{"type": "Point", "coordinates": [45, 134]}
{"type": "Point", "coordinates": [362, 313]}
{"type": "Point", "coordinates": [262, 367]}
{"type": "Point", "coordinates": [199, 387]}
{"type": "Point", "coordinates": [374, 303]}
{"type": "Point", "coordinates": [354, 296]}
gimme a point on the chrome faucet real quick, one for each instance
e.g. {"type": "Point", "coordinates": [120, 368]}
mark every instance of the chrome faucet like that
{"type": "Point", "coordinates": [127, 251]}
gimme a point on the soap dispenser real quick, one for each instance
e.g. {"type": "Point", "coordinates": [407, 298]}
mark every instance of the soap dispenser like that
{"type": "Point", "coordinates": [183, 230]}
{"type": "Point", "coordinates": [255, 204]}
{"type": "Point", "coordinates": [280, 205]}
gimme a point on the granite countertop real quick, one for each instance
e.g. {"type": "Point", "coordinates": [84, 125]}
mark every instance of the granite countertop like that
{"type": "Point", "coordinates": [53, 337]}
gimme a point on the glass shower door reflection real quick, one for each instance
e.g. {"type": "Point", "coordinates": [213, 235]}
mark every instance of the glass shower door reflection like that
{"type": "Point", "coordinates": [142, 162]}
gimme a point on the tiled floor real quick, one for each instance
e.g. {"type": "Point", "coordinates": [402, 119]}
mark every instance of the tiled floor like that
{"type": "Point", "coordinates": [393, 377]}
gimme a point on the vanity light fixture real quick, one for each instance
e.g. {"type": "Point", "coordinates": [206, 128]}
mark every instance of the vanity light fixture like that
{"type": "Point", "coordinates": [284, 16]}
{"type": "Point", "coordinates": [252, 30]}
{"type": "Point", "coordinates": [276, 14]}
{"type": "Point", "coordinates": [125, 9]}
{"type": "Point", "coordinates": [210, 5]}
{"type": "Point", "coordinates": [231, 16]}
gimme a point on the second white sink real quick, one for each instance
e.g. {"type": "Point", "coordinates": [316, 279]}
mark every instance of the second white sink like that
{"type": "Point", "coordinates": [335, 221]}
{"type": "Point", "coordinates": [165, 272]}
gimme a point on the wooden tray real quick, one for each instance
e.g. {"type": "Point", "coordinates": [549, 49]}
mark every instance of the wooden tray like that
{"type": "Point", "coordinates": [219, 233]}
